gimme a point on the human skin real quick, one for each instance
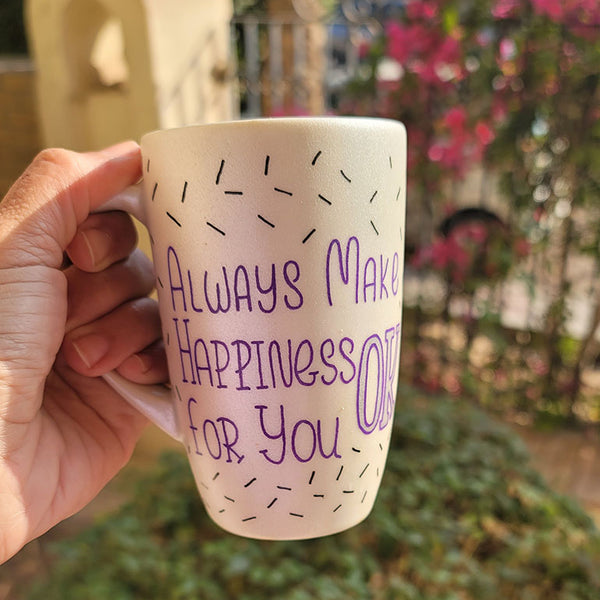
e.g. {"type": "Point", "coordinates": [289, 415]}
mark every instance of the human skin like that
{"type": "Point", "coordinates": [63, 432]}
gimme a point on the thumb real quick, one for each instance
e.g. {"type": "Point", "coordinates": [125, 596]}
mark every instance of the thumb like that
{"type": "Point", "coordinates": [41, 212]}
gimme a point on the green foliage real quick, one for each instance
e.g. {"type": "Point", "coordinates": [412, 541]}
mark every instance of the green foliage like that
{"type": "Point", "coordinates": [460, 516]}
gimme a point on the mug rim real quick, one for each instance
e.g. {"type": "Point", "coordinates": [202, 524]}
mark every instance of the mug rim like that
{"type": "Point", "coordinates": [345, 120]}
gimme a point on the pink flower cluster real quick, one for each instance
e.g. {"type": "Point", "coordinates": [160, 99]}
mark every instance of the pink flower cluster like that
{"type": "Point", "coordinates": [582, 17]}
{"type": "Point", "coordinates": [424, 51]}
{"type": "Point", "coordinates": [459, 143]}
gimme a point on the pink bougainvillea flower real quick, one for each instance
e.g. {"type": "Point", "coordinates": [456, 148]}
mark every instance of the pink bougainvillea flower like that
{"type": "Point", "coordinates": [485, 134]}
{"type": "Point", "coordinates": [455, 119]}
{"type": "Point", "coordinates": [552, 8]}
{"type": "Point", "coordinates": [421, 10]}
{"type": "Point", "coordinates": [504, 9]}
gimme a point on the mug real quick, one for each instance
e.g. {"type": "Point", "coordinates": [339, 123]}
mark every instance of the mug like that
{"type": "Point", "coordinates": [278, 251]}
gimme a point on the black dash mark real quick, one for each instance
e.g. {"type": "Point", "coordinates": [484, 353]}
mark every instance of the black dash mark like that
{"type": "Point", "coordinates": [398, 193]}
{"type": "Point", "coordinates": [380, 447]}
{"type": "Point", "coordinates": [340, 473]}
{"type": "Point", "coordinates": [375, 228]}
{"type": "Point", "coordinates": [220, 172]}
{"type": "Point", "coordinates": [345, 176]}
{"type": "Point", "coordinates": [267, 160]}
{"type": "Point", "coordinates": [148, 166]}
{"type": "Point", "coordinates": [312, 476]}
{"type": "Point", "coordinates": [364, 496]}
{"type": "Point", "coordinates": [228, 498]}
{"type": "Point", "coordinates": [154, 190]}
{"type": "Point", "coordinates": [222, 511]}
{"type": "Point", "coordinates": [296, 515]}
{"type": "Point", "coordinates": [347, 491]}
{"type": "Point", "coordinates": [391, 166]}
{"type": "Point", "coordinates": [160, 282]}
{"type": "Point", "coordinates": [250, 482]}
{"type": "Point", "coordinates": [248, 519]}
{"type": "Point", "coordinates": [272, 502]}
{"type": "Point", "coordinates": [265, 221]}
{"type": "Point", "coordinates": [282, 487]}
{"type": "Point", "coordinates": [173, 219]}
{"type": "Point", "coordinates": [316, 158]}
{"type": "Point", "coordinates": [324, 199]}
{"type": "Point", "coordinates": [215, 228]}
{"type": "Point", "coordinates": [216, 475]}
{"type": "Point", "coordinates": [234, 193]}
{"type": "Point", "coordinates": [178, 394]}
{"type": "Point", "coordinates": [373, 197]}
{"type": "Point", "coordinates": [364, 470]}
{"type": "Point", "coordinates": [183, 193]}
{"type": "Point", "coordinates": [318, 495]}
{"type": "Point", "coordinates": [355, 449]}
{"type": "Point", "coordinates": [283, 191]}
{"type": "Point", "coordinates": [204, 485]}
{"type": "Point", "coordinates": [337, 508]}
{"type": "Point", "coordinates": [308, 236]}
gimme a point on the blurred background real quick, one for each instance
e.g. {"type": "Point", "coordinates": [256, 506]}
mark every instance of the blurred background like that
{"type": "Point", "coordinates": [501, 99]}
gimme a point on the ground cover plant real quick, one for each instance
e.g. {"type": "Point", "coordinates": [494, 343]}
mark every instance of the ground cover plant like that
{"type": "Point", "coordinates": [461, 515]}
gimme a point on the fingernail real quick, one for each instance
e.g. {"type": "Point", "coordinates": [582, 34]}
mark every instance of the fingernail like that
{"type": "Point", "coordinates": [91, 348]}
{"type": "Point", "coordinates": [143, 363]}
{"type": "Point", "coordinates": [97, 243]}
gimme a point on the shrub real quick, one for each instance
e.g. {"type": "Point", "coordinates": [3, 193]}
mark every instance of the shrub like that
{"type": "Point", "coordinates": [461, 515]}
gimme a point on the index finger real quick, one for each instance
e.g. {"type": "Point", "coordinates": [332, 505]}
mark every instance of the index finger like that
{"type": "Point", "coordinates": [41, 212]}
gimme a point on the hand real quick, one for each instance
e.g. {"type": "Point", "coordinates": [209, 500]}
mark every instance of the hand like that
{"type": "Point", "coordinates": [63, 432]}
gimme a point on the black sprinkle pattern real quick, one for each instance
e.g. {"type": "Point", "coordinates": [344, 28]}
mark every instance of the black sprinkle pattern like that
{"type": "Point", "coordinates": [250, 482]}
{"type": "Point", "coordinates": [220, 171]}
{"type": "Point", "coordinates": [307, 237]}
{"type": "Point", "coordinates": [324, 199]}
{"type": "Point", "coordinates": [373, 196]}
{"type": "Point", "coordinates": [340, 473]}
{"type": "Point", "coordinates": [267, 160]}
{"type": "Point", "coordinates": [234, 193]}
{"type": "Point", "coordinates": [272, 502]}
{"type": "Point", "coordinates": [266, 222]}
{"type": "Point", "coordinates": [184, 191]}
{"type": "Point", "coordinates": [173, 219]}
{"type": "Point", "coordinates": [286, 192]}
{"type": "Point", "coordinates": [215, 228]}
{"type": "Point", "coordinates": [154, 191]}
{"type": "Point", "coordinates": [374, 228]}
{"type": "Point", "coordinates": [316, 158]}
{"type": "Point", "coordinates": [345, 176]}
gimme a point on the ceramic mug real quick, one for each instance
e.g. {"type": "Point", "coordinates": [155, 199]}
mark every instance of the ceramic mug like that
{"type": "Point", "coordinates": [278, 251]}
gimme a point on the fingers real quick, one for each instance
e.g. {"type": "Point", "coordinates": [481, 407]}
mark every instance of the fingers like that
{"type": "Point", "coordinates": [101, 240]}
{"type": "Point", "coordinates": [42, 211]}
{"type": "Point", "coordinates": [112, 340]}
{"type": "Point", "coordinates": [93, 295]}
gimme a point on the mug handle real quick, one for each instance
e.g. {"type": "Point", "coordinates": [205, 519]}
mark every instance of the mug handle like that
{"type": "Point", "coordinates": [154, 401]}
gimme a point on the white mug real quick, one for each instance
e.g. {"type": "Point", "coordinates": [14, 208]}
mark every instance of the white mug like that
{"type": "Point", "coordinates": [278, 251]}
